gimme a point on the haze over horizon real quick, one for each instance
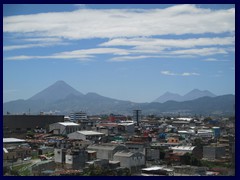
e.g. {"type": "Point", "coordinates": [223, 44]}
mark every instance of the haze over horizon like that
{"type": "Point", "coordinates": [126, 52]}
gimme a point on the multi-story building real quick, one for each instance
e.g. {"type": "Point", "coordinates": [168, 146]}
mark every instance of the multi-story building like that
{"type": "Point", "coordinates": [78, 116]}
{"type": "Point", "coordinates": [213, 152]}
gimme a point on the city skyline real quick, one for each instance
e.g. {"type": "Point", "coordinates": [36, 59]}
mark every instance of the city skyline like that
{"type": "Point", "coordinates": [128, 52]}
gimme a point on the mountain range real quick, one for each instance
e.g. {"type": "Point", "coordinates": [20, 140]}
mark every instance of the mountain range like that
{"type": "Point", "coordinates": [61, 98]}
{"type": "Point", "coordinates": [194, 94]}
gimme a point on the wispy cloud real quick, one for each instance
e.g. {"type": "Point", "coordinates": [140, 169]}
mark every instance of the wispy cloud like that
{"type": "Point", "coordinates": [109, 23]}
{"type": "Point", "coordinates": [169, 73]}
{"type": "Point", "coordinates": [201, 51]}
{"type": "Point", "coordinates": [133, 34]}
{"type": "Point", "coordinates": [83, 54]}
{"type": "Point", "coordinates": [38, 42]}
{"type": "Point", "coordinates": [130, 58]}
{"type": "Point", "coordinates": [214, 60]}
{"type": "Point", "coordinates": [169, 43]}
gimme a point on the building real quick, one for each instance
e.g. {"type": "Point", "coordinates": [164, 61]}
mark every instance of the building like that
{"type": "Point", "coordinates": [64, 128]}
{"type": "Point", "coordinates": [137, 114]}
{"type": "Point", "coordinates": [129, 159]}
{"type": "Point", "coordinates": [14, 148]}
{"type": "Point", "coordinates": [75, 159]}
{"type": "Point", "coordinates": [157, 171]}
{"type": "Point", "coordinates": [136, 146]}
{"type": "Point", "coordinates": [125, 127]}
{"type": "Point", "coordinates": [78, 116]}
{"type": "Point", "coordinates": [187, 170]}
{"type": "Point", "coordinates": [216, 132]}
{"type": "Point", "coordinates": [197, 152]}
{"type": "Point", "coordinates": [116, 118]}
{"type": "Point", "coordinates": [213, 152]}
{"type": "Point", "coordinates": [18, 125]}
{"type": "Point", "coordinates": [59, 155]}
{"type": "Point", "coordinates": [86, 135]}
{"type": "Point", "coordinates": [107, 150]}
{"type": "Point", "coordinates": [205, 133]}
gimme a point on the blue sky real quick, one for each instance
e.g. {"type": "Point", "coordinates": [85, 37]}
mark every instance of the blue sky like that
{"type": "Point", "coordinates": [128, 52]}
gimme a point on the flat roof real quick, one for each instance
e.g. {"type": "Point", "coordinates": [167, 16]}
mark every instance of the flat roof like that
{"type": "Point", "coordinates": [126, 124]}
{"type": "Point", "coordinates": [183, 148]}
{"type": "Point", "coordinates": [90, 133]}
{"type": "Point", "coordinates": [13, 140]}
{"type": "Point", "coordinates": [154, 168]}
{"type": "Point", "coordinates": [68, 124]}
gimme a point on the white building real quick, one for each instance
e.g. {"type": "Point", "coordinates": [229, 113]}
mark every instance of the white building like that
{"type": "Point", "coordinates": [86, 135]}
{"type": "Point", "coordinates": [64, 128]}
{"type": "Point", "coordinates": [78, 116]}
{"type": "Point", "coordinates": [129, 159]}
{"type": "Point", "coordinates": [205, 133]}
{"type": "Point", "coordinates": [182, 149]}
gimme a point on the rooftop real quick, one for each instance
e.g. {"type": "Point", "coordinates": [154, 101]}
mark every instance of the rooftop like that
{"type": "Point", "coordinates": [13, 140]}
{"type": "Point", "coordinates": [90, 133]}
{"type": "Point", "coordinates": [68, 124]}
{"type": "Point", "coordinates": [183, 148]}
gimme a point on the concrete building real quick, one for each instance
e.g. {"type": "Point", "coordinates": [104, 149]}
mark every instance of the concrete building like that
{"type": "Point", "coordinates": [197, 152]}
{"type": "Point", "coordinates": [129, 159]}
{"type": "Point", "coordinates": [213, 152]}
{"type": "Point", "coordinates": [107, 128]}
{"type": "Point", "coordinates": [64, 128]}
{"type": "Point", "coordinates": [75, 159]}
{"type": "Point", "coordinates": [18, 125]}
{"type": "Point", "coordinates": [136, 146]}
{"type": "Point", "coordinates": [126, 127]}
{"type": "Point", "coordinates": [107, 150]}
{"type": "Point", "coordinates": [78, 116]}
{"type": "Point", "coordinates": [205, 133]}
{"type": "Point", "coordinates": [86, 135]}
{"type": "Point", "coordinates": [59, 155]}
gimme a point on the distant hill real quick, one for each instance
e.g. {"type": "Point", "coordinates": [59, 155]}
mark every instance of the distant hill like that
{"type": "Point", "coordinates": [62, 99]}
{"type": "Point", "coordinates": [194, 94]}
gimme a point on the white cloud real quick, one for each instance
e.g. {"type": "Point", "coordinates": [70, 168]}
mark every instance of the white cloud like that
{"type": "Point", "coordinates": [83, 54]}
{"type": "Point", "coordinates": [116, 23]}
{"type": "Point", "coordinates": [189, 74]}
{"type": "Point", "coordinates": [130, 58]}
{"type": "Point", "coordinates": [166, 43]}
{"type": "Point", "coordinates": [39, 42]}
{"type": "Point", "coordinates": [201, 51]}
{"type": "Point", "coordinates": [214, 60]}
{"type": "Point", "coordinates": [169, 73]}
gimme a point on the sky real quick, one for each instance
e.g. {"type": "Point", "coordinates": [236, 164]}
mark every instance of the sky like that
{"type": "Point", "coordinates": [127, 52]}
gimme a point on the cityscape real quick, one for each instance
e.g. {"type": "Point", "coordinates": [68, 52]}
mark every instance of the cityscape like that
{"type": "Point", "coordinates": [119, 90]}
